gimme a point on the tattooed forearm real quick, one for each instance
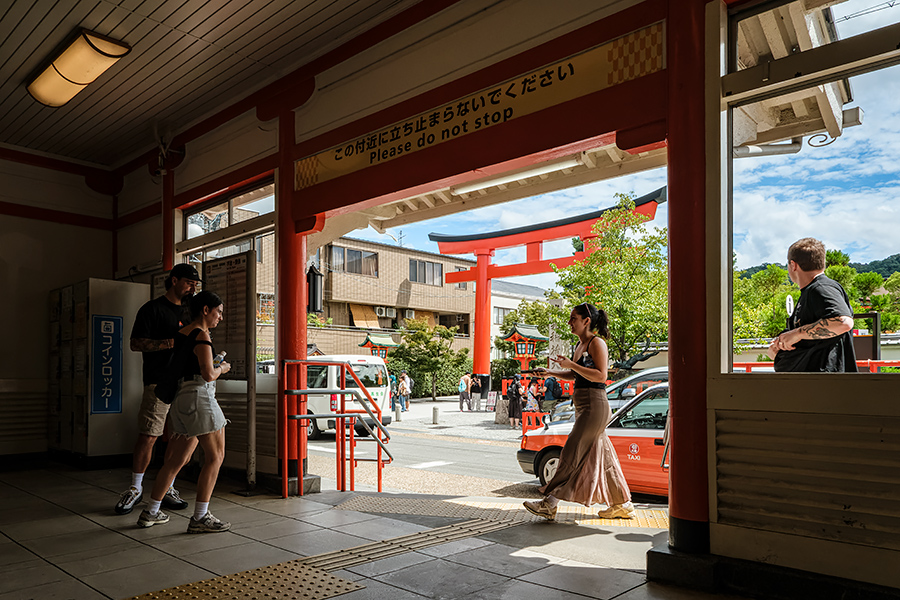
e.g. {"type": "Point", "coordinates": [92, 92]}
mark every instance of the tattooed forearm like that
{"type": "Point", "coordinates": [823, 328]}
{"type": "Point", "coordinates": [145, 345]}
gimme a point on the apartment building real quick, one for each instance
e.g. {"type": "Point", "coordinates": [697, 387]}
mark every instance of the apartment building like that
{"type": "Point", "coordinates": [372, 286]}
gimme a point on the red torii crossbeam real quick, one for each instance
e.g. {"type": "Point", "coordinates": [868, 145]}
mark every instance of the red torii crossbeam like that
{"type": "Point", "coordinates": [483, 246]}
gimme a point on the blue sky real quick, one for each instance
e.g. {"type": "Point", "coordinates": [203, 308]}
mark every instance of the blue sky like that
{"type": "Point", "coordinates": [844, 193]}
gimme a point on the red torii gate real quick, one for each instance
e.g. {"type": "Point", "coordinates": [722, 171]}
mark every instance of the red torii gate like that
{"type": "Point", "coordinates": [483, 245]}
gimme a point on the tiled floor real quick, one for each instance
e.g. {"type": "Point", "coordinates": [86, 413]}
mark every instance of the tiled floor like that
{"type": "Point", "coordinates": [59, 538]}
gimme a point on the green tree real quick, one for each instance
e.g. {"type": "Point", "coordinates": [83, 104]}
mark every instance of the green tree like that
{"type": "Point", "coordinates": [426, 352]}
{"type": "Point", "coordinates": [844, 275]}
{"type": "Point", "coordinates": [759, 302]}
{"type": "Point", "coordinates": [867, 284]}
{"type": "Point", "coordinates": [836, 258]}
{"type": "Point", "coordinates": [535, 313]}
{"type": "Point", "coordinates": [626, 274]}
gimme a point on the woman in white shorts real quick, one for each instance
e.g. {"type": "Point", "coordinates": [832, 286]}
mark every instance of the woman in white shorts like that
{"type": "Point", "coordinates": [196, 418]}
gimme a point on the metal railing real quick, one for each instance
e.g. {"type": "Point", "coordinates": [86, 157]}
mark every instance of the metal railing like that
{"type": "Point", "coordinates": [345, 419]}
{"type": "Point", "coordinates": [871, 366]}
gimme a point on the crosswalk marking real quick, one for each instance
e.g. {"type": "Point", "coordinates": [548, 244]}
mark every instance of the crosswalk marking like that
{"type": "Point", "coordinates": [428, 465]}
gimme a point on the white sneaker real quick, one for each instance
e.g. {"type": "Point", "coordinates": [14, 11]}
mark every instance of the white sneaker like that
{"type": "Point", "coordinates": [129, 498]}
{"type": "Point", "coordinates": [618, 511]}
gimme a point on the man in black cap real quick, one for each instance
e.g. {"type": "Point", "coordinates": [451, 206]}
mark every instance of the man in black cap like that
{"type": "Point", "coordinates": [153, 334]}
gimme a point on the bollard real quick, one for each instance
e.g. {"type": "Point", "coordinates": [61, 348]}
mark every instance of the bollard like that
{"type": "Point", "coordinates": [397, 412]}
{"type": "Point", "coordinates": [434, 415]}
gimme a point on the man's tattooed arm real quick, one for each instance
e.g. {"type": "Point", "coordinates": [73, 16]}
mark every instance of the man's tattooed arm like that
{"type": "Point", "coordinates": [146, 345]}
{"type": "Point", "coordinates": [827, 328]}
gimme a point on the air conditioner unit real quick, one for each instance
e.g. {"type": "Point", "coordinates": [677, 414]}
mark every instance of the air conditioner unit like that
{"type": "Point", "coordinates": [409, 314]}
{"type": "Point", "coordinates": [390, 312]}
{"type": "Point", "coordinates": [380, 311]}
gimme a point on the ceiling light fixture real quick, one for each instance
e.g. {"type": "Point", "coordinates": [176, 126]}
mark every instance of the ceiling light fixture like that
{"type": "Point", "coordinates": [539, 170]}
{"type": "Point", "coordinates": [84, 59]}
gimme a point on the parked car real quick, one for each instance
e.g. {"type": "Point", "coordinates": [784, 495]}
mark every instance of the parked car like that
{"type": "Point", "coordinates": [636, 431]}
{"type": "Point", "coordinates": [371, 371]}
{"type": "Point", "coordinates": [619, 393]}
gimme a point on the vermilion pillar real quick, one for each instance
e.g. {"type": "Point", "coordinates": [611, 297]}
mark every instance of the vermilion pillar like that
{"type": "Point", "coordinates": [482, 365]}
{"type": "Point", "coordinates": [291, 282]}
{"type": "Point", "coordinates": [688, 478]}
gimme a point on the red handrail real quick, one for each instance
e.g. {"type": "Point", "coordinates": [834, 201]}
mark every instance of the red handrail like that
{"type": "Point", "coordinates": [863, 365]}
{"type": "Point", "coordinates": [341, 439]}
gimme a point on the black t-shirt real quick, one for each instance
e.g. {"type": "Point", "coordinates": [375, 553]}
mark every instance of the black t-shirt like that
{"type": "Point", "coordinates": [157, 319]}
{"type": "Point", "coordinates": [823, 298]}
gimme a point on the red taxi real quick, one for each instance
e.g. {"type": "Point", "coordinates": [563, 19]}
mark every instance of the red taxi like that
{"type": "Point", "coordinates": [636, 431]}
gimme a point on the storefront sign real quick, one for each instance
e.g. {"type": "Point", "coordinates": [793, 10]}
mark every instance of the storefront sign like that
{"type": "Point", "coordinates": [106, 364]}
{"type": "Point", "coordinates": [629, 57]}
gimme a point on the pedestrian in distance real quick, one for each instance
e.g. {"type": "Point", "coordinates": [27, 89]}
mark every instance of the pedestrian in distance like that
{"type": "Point", "coordinates": [404, 389]}
{"type": "Point", "coordinates": [532, 396]}
{"type": "Point", "coordinates": [153, 335]}
{"type": "Point", "coordinates": [196, 418]}
{"type": "Point", "coordinates": [514, 393]}
{"type": "Point", "coordinates": [465, 391]}
{"type": "Point", "coordinates": [817, 337]}
{"type": "Point", "coordinates": [588, 471]}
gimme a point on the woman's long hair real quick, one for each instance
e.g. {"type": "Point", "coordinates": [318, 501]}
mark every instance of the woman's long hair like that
{"type": "Point", "coordinates": [599, 318]}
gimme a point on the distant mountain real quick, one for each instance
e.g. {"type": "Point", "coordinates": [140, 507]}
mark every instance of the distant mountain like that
{"type": "Point", "coordinates": [885, 267]}
{"type": "Point", "coordinates": [749, 272]}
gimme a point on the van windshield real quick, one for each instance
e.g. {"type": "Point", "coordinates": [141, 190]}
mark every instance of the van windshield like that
{"type": "Point", "coordinates": [371, 376]}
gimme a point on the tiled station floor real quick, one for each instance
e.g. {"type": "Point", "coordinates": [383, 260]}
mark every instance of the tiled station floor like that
{"type": "Point", "coordinates": [60, 539]}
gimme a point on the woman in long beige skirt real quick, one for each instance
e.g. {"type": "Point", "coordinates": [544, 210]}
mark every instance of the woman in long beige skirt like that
{"type": "Point", "coordinates": [589, 471]}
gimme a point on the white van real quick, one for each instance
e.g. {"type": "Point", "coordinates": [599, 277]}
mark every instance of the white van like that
{"type": "Point", "coordinates": [371, 371]}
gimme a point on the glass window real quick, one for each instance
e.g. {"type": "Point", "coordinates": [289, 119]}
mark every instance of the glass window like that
{"type": "Point", "coordinates": [241, 206]}
{"type": "Point", "coordinates": [369, 264]}
{"type": "Point", "coordinates": [317, 377]}
{"type": "Point", "coordinates": [650, 413]}
{"type": "Point", "coordinates": [254, 203]}
{"type": "Point", "coordinates": [207, 220]}
{"type": "Point", "coordinates": [337, 258]}
{"type": "Point", "coordinates": [354, 261]}
{"type": "Point", "coordinates": [461, 286]}
{"type": "Point", "coordinates": [639, 384]}
{"type": "Point", "coordinates": [426, 272]}
{"type": "Point", "coordinates": [370, 375]}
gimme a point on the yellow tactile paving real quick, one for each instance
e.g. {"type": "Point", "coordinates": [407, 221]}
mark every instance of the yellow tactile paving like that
{"type": "Point", "coordinates": [498, 511]}
{"type": "Point", "coordinates": [292, 580]}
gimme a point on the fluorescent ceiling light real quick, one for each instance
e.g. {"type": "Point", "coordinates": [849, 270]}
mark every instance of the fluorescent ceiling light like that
{"type": "Point", "coordinates": [84, 59]}
{"type": "Point", "coordinates": [539, 170]}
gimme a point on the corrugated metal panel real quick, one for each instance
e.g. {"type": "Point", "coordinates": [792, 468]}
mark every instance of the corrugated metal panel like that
{"type": "Point", "coordinates": [23, 416]}
{"type": "Point", "coordinates": [235, 408]}
{"type": "Point", "coordinates": [832, 477]}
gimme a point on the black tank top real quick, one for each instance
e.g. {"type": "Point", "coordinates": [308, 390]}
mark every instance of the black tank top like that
{"type": "Point", "coordinates": [585, 360]}
{"type": "Point", "coordinates": [186, 344]}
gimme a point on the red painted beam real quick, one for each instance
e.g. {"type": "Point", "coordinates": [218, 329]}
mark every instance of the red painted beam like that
{"type": "Point", "coordinates": [580, 229]}
{"type": "Point", "coordinates": [526, 268]}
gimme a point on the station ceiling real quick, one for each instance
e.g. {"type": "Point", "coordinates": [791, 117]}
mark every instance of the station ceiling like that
{"type": "Point", "coordinates": [190, 59]}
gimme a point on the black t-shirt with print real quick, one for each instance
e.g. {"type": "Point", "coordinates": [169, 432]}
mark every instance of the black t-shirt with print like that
{"type": "Point", "coordinates": [823, 298]}
{"type": "Point", "coordinates": [157, 319]}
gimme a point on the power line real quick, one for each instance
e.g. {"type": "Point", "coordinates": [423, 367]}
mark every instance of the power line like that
{"type": "Point", "coordinates": [868, 11]}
